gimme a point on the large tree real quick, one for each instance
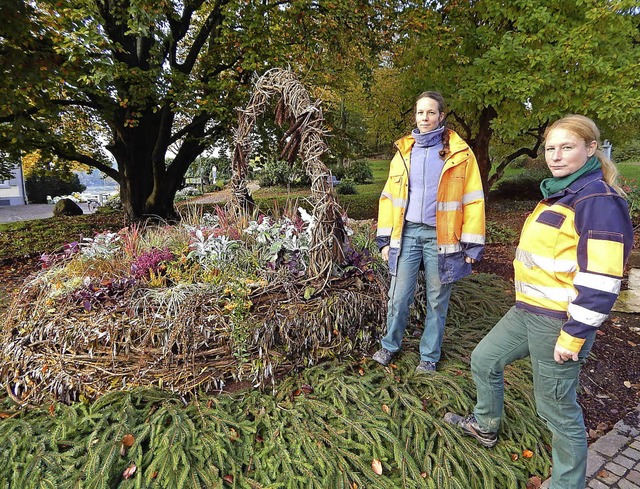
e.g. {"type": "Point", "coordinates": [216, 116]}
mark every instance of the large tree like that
{"type": "Point", "coordinates": [114, 83]}
{"type": "Point", "coordinates": [508, 68]}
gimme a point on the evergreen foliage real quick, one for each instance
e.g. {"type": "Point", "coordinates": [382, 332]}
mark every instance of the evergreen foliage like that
{"type": "Point", "coordinates": [320, 428]}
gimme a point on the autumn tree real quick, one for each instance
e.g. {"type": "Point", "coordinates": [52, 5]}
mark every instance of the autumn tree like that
{"type": "Point", "coordinates": [509, 68]}
{"type": "Point", "coordinates": [113, 84]}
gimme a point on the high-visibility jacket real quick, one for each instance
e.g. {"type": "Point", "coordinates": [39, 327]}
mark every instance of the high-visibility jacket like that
{"type": "Point", "coordinates": [460, 220]}
{"type": "Point", "coordinates": [571, 257]}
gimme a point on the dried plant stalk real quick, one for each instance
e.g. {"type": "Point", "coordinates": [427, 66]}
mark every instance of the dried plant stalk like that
{"type": "Point", "coordinates": [305, 137]}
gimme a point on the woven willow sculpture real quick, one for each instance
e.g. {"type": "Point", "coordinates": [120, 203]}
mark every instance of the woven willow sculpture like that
{"type": "Point", "coordinates": [305, 137]}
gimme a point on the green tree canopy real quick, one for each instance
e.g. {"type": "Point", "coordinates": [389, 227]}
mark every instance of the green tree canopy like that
{"type": "Point", "coordinates": [509, 68]}
{"type": "Point", "coordinates": [113, 84]}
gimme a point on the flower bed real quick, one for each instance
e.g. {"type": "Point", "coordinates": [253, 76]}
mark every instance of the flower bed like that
{"type": "Point", "coordinates": [195, 306]}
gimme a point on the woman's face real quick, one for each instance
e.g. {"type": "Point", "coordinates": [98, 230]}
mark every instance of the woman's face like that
{"type": "Point", "coordinates": [565, 152]}
{"type": "Point", "coordinates": [428, 115]}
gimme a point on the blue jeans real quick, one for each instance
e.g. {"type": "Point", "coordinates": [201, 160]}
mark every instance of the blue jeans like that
{"type": "Point", "coordinates": [517, 335]}
{"type": "Point", "coordinates": [418, 245]}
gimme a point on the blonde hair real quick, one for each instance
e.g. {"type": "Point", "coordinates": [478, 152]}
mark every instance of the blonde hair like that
{"type": "Point", "coordinates": [586, 129]}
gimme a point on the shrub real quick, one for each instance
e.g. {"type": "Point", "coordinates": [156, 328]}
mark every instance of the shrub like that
{"type": "Point", "coordinates": [523, 186]}
{"type": "Point", "coordinates": [632, 188]}
{"type": "Point", "coordinates": [347, 187]}
{"type": "Point", "coordinates": [38, 186]}
{"type": "Point", "coordinates": [359, 171]}
{"type": "Point", "coordinates": [278, 172]}
{"type": "Point", "coordinates": [630, 152]}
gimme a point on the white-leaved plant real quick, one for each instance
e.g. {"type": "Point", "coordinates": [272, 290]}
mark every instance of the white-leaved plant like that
{"type": "Point", "coordinates": [207, 248]}
{"type": "Point", "coordinates": [274, 236]}
{"type": "Point", "coordinates": [103, 245]}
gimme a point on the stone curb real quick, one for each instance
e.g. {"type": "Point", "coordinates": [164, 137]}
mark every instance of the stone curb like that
{"type": "Point", "coordinates": [613, 461]}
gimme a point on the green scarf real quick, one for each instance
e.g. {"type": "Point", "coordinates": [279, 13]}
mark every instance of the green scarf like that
{"type": "Point", "coordinates": [550, 186]}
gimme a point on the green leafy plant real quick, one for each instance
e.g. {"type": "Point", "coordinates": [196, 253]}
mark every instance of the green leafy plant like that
{"type": "Point", "coordinates": [347, 187]}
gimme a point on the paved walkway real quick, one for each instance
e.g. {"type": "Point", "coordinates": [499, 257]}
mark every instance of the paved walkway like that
{"type": "Point", "coordinates": [14, 213]}
{"type": "Point", "coordinates": [614, 460]}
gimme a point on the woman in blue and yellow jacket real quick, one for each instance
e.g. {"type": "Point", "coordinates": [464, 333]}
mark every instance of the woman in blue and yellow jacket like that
{"type": "Point", "coordinates": [431, 211]}
{"type": "Point", "coordinates": [568, 268]}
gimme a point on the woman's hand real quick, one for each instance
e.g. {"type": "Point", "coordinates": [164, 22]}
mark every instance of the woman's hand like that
{"type": "Point", "coordinates": [385, 253]}
{"type": "Point", "coordinates": [561, 354]}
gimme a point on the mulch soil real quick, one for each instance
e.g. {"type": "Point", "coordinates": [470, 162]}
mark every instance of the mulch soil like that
{"type": "Point", "coordinates": [610, 380]}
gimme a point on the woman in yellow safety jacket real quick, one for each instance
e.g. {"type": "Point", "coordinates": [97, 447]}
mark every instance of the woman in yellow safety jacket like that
{"type": "Point", "coordinates": [431, 211]}
{"type": "Point", "coordinates": [568, 268]}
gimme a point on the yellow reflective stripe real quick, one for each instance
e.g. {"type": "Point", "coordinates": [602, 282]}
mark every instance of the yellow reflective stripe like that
{"type": "Point", "coordinates": [586, 316]}
{"type": "Point", "coordinates": [597, 282]}
{"type": "Point", "coordinates": [472, 238]}
{"type": "Point", "coordinates": [605, 256]}
{"type": "Point", "coordinates": [471, 196]}
{"type": "Point", "coordinates": [553, 294]}
{"type": "Point", "coordinates": [531, 260]}
{"type": "Point", "coordinates": [569, 342]}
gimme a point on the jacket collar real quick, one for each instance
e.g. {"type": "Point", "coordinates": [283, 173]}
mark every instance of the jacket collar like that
{"type": "Point", "coordinates": [456, 143]}
{"type": "Point", "coordinates": [580, 183]}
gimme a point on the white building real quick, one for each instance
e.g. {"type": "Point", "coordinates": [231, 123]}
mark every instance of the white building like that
{"type": "Point", "coordinates": [12, 191]}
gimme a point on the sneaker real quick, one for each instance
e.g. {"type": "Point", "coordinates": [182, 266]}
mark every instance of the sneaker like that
{"type": "Point", "coordinates": [470, 427]}
{"type": "Point", "coordinates": [383, 356]}
{"type": "Point", "coordinates": [425, 367]}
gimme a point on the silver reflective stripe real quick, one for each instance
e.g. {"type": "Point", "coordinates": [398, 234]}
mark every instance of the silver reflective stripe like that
{"type": "Point", "coordinates": [597, 282]}
{"type": "Point", "coordinates": [472, 238]}
{"type": "Point", "coordinates": [586, 316]}
{"type": "Point", "coordinates": [453, 248]}
{"type": "Point", "coordinates": [384, 231]}
{"type": "Point", "coordinates": [557, 294]}
{"type": "Point", "coordinates": [471, 196]}
{"type": "Point", "coordinates": [394, 243]}
{"type": "Point", "coordinates": [531, 260]}
{"type": "Point", "coordinates": [449, 206]}
{"type": "Point", "coordinates": [395, 201]}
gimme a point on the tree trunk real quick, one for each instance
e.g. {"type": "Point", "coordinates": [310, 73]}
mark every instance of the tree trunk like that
{"type": "Point", "coordinates": [480, 145]}
{"type": "Point", "coordinates": [147, 185]}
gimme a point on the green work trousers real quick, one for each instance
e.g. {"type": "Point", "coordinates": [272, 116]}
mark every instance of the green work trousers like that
{"type": "Point", "coordinates": [517, 335]}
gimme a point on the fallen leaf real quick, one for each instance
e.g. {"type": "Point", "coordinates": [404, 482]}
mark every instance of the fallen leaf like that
{"type": "Point", "coordinates": [228, 478]}
{"type": "Point", "coordinates": [534, 482]}
{"type": "Point", "coordinates": [129, 471]}
{"type": "Point", "coordinates": [527, 453]}
{"type": "Point", "coordinates": [306, 388]}
{"type": "Point", "coordinates": [233, 435]}
{"type": "Point", "coordinates": [627, 384]}
{"type": "Point", "coordinates": [602, 474]}
{"type": "Point", "coordinates": [423, 475]}
{"type": "Point", "coordinates": [600, 332]}
{"type": "Point", "coordinates": [386, 408]}
{"type": "Point", "coordinates": [376, 465]}
{"type": "Point", "coordinates": [52, 409]}
{"type": "Point", "coordinates": [631, 343]}
{"type": "Point", "coordinates": [361, 372]}
{"type": "Point", "coordinates": [127, 440]}
{"type": "Point", "coordinates": [514, 457]}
